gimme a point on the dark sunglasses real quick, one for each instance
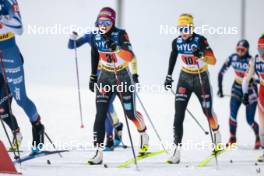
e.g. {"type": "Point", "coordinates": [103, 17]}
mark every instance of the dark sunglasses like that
{"type": "Point", "coordinates": [185, 30]}
{"type": "Point", "coordinates": [104, 22]}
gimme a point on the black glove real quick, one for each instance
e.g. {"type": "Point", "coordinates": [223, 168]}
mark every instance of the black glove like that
{"type": "Point", "coordinates": [168, 82]}
{"type": "Point", "coordinates": [220, 92]}
{"type": "Point", "coordinates": [245, 99]}
{"type": "Point", "coordinates": [135, 78]}
{"type": "Point", "coordinates": [92, 82]}
{"type": "Point", "coordinates": [109, 42]}
{"type": "Point", "coordinates": [197, 52]}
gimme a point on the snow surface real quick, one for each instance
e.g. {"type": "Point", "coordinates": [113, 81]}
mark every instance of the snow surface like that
{"type": "Point", "coordinates": [58, 107]}
{"type": "Point", "coordinates": [50, 75]}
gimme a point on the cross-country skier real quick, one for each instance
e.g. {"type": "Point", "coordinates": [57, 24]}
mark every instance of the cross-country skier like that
{"type": "Point", "coordinates": [111, 46]}
{"type": "Point", "coordinates": [195, 55]}
{"type": "Point", "coordinates": [240, 61]}
{"type": "Point", "coordinates": [7, 116]}
{"type": "Point", "coordinates": [12, 64]}
{"type": "Point", "coordinates": [257, 66]}
{"type": "Point", "coordinates": [112, 122]}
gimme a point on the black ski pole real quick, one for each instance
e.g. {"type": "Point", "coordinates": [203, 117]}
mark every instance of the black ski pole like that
{"type": "Point", "coordinates": [52, 144]}
{"type": "Point", "coordinates": [126, 119]}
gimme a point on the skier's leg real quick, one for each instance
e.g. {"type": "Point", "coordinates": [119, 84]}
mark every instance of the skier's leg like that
{"type": "Point", "coordinates": [9, 118]}
{"type": "Point", "coordinates": [204, 94]}
{"type": "Point", "coordinates": [5, 99]}
{"type": "Point", "coordinates": [250, 114]}
{"type": "Point", "coordinates": [261, 113]}
{"type": "Point", "coordinates": [127, 97]}
{"type": "Point", "coordinates": [235, 103]}
{"type": "Point", "coordinates": [102, 104]}
{"type": "Point", "coordinates": [16, 84]}
{"type": "Point", "coordinates": [261, 119]}
{"type": "Point", "coordinates": [183, 94]}
{"type": "Point", "coordinates": [109, 146]}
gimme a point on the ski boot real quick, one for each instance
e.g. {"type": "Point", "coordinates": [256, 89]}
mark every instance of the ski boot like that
{"type": "Point", "coordinates": [262, 141]}
{"type": "Point", "coordinates": [175, 158]}
{"type": "Point", "coordinates": [109, 144]}
{"type": "Point", "coordinates": [97, 159]}
{"type": "Point", "coordinates": [38, 131]}
{"type": "Point", "coordinates": [17, 140]}
{"type": "Point", "coordinates": [257, 143]}
{"type": "Point", "coordinates": [217, 141]}
{"type": "Point", "coordinates": [144, 141]}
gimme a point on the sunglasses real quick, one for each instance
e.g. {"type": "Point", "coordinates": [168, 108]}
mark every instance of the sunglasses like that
{"type": "Point", "coordinates": [185, 30]}
{"type": "Point", "coordinates": [104, 22]}
{"type": "Point", "coordinates": [242, 50]}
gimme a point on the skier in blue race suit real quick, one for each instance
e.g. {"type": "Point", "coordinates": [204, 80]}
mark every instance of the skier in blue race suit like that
{"type": "Point", "coordinates": [12, 66]}
{"type": "Point", "coordinates": [239, 61]}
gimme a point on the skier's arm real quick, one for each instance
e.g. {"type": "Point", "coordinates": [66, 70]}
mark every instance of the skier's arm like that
{"type": "Point", "coordinates": [125, 49]}
{"type": "Point", "coordinates": [208, 53]}
{"type": "Point", "coordinates": [223, 70]}
{"type": "Point", "coordinates": [173, 58]}
{"type": "Point", "coordinates": [79, 42]}
{"type": "Point", "coordinates": [10, 20]}
{"type": "Point", "coordinates": [249, 75]}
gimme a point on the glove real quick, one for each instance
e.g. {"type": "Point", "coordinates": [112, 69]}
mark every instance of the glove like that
{"type": "Point", "coordinates": [110, 43]}
{"type": "Point", "coordinates": [197, 52]}
{"type": "Point", "coordinates": [168, 82]}
{"type": "Point", "coordinates": [92, 82]}
{"type": "Point", "coordinates": [74, 36]}
{"type": "Point", "coordinates": [220, 92]}
{"type": "Point", "coordinates": [135, 78]}
{"type": "Point", "coordinates": [245, 99]}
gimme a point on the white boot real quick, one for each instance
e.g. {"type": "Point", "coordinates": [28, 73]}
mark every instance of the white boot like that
{"type": "Point", "coordinates": [176, 156]}
{"type": "Point", "coordinates": [97, 159]}
{"type": "Point", "coordinates": [217, 141]}
{"type": "Point", "coordinates": [261, 158]}
{"type": "Point", "coordinates": [144, 143]}
{"type": "Point", "coordinates": [262, 140]}
{"type": "Point", "coordinates": [217, 137]}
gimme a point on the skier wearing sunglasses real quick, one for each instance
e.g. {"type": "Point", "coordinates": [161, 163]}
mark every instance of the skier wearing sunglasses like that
{"type": "Point", "coordinates": [111, 53]}
{"type": "Point", "coordinates": [239, 61]}
{"type": "Point", "coordinates": [195, 55]}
